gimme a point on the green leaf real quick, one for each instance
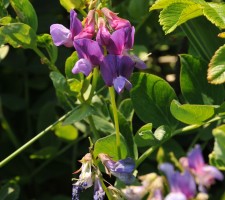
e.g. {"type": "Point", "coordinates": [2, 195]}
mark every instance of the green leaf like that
{"type": "Point", "coordinates": [18, 35]}
{"type": "Point", "coordinates": [66, 132]}
{"type": "Point", "coordinates": [194, 85]}
{"type": "Point", "coordinates": [9, 191]}
{"type": "Point", "coordinates": [218, 163]}
{"type": "Point", "coordinates": [45, 41]}
{"type": "Point", "coordinates": [151, 97]}
{"type": "Point", "coordinates": [72, 4]}
{"type": "Point", "coordinates": [70, 62]}
{"type": "Point", "coordinates": [144, 136]}
{"type": "Point", "coordinates": [79, 113]}
{"type": "Point", "coordinates": [107, 145]}
{"type": "Point", "coordinates": [216, 71]}
{"type": "Point", "coordinates": [6, 20]}
{"type": "Point", "coordinates": [44, 153]}
{"type": "Point", "coordinates": [176, 14]}
{"type": "Point", "coordinates": [191, 114]}
{"type": "Point", "coordinates": [160, 4]}
{"type": "Point", "coordinates": [126, 108]}
{"type": "Point", "coordinates": [103, 125]}
{"type": "Point", "coordinates": [25, 12]}
{"type": "Point", "coordinates": [219, 145]}
{"type": "Point", "coordinates": [215, 12]}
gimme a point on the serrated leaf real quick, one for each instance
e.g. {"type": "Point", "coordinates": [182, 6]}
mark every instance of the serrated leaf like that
{"type": "Point", "coordinates": [216, 70]}
{"type": "Point", "coordinates": [66, 132]}
{"type": "Point", "coordinates": [151, 97]}
{"type": "Point", "coordinates": [18, 35]}
{"type": "Point", "coordinates": [72, 4]}
{"type": "Point", "coordinates": [194, 85]}
{"type": "Point", "coordinates": [25, 12]}
{"type": "Point", "coordinates": [79, 113]}
{"type": "Point", "coordinates": [107, 145]}
{"type": "Point", "coordinates": [215, 12]}
{"type": "Point", "coordinates": [191, 114]}
{"type": "Point", "coordinates": [160, 4]}
{"type": "Point", "coordinates": [178, 13]}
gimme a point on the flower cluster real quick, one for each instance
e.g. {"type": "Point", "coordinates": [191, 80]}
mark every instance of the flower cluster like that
{"type": "Point", "coordinates": [103, 41]}
{"type": "Point", "coordinates": [182, 185]}
{"type": "Point", "coordinates": [90, 174]}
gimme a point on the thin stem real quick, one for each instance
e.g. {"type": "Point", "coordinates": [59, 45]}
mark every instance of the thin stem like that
{"type": "Point", "coordinates": [96, 135]}
{"type": "Point", "coordinates": [116, 120]}
{"type": "Point", "coordinates": [26, 145]}
{"type": "Point", "coordinates": [94, 83]}
{"type": "Point", "coordinates": [82, 12]}
{"type": "Point", "coordinates": [45, 60]}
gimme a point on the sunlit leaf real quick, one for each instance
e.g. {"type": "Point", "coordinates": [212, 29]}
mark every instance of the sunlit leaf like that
{"type": "Point", "coordinates": [66, 132]}
{"type": "Point", "coordinates": [107, 145]}
{"type": "Point", "coordinates": [216, 71]}
{"type": "Point", "coordinates": [25, 12]}
{"type": "Point", "coordinates": [18, 35]}
{"type": "Point", "coordinates": [191, 114]}
{"type": "Point", "coordinates": [72, 4]}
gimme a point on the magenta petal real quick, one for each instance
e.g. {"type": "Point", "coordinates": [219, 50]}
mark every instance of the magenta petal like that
{"type": "Point", "coordinates": [89, 49]}
{"type": "Point", "coordinates": [103, 36]}
{"type": "Point", "coordinates": [83, 65]}
{"type": "Point", "coordinates": [195, 159]}
{"type": "Point", "coordinates": [75, 24]}
{"type": "Point", "coordinates": [61, 35]}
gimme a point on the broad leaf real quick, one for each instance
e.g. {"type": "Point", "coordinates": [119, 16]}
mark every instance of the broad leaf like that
{"type": "Point", "coordinates": [25, 12]}
{"type": "Point", "coordinates": [79, 113]}
{"type": "Point", "coordinates": [176, 14]}
{"type": "Point", "coordinates": [151, 97]}
{"type": "Point", "coordinates": [144, 136]}
{"type": "Point", "coordinates": [194, 85]}
{"type": "Point", "coordinates": [66, 132]}
{"type": "Point", "coordinates": [103, 125]}
{"type": "Point", "coordinates": [72, 4]}
{"type": "Point", "coordinates": [216, 71]}
{"type": "Point", "coordinates": [215, 12]}
{"type": "Point", "coordinates": [18, 35]}
{"type": "Point", "coordinates": [191, 114]}
{"type": "Point", "coordinates": [107, 145]}
{"type": "Point", "coordinates": [126, 108]}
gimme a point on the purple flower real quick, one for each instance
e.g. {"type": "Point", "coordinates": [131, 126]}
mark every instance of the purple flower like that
{"type": "Point", "coordinates": [122, 169]}
{"type": "Point", "coordinates": [116, 71]}
{"type": "Point", "coordinates": [99, 193]}
{"type": "Point", "coordinates": [103, 34]}
{"type": "Point", "coordinates": [90, 54]}
{"type": "Point", "coordinates": [114, 21]}
{"type": "Point", "coordinates": [205, 175]}
{"type": "Point", "coordinates": [182, 185]}
{"type": "Point", "coordinates": [63, 36]}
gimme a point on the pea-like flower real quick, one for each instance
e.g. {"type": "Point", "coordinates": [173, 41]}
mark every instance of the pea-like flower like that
{"type": "Point", "coordinates": [205, 174]}
{"type": "Point", "coordinates": [122, 169]}
{"type": "Point", "coordinates": [85, 179]}
{"type": "Point", "coordinates": [90, 54]}
{"type": "Point", "coordinates": [116, 71]}
{"type": "Point", "coordinates": [103, 34]}
{"type": "Point", "coordinates": [182, 185]}
{"type": "Point", "coordinates": [99, 193]}
{"type": "Point", "coordinates": [64, 36]}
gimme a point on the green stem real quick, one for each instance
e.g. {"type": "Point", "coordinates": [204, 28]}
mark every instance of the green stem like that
{"type": "Point", "coordinates": [82, 12]}
{"type": "Point", "coordinates": [116, 120]}
{"type": "Point", "coordinates": [45, 60]}
{"type": "Point", "coordinates": [96, 136]}
{"type": "Point", "coordinates": [94, 83]}
{"type": "Point", "coordinates": [26, 145]}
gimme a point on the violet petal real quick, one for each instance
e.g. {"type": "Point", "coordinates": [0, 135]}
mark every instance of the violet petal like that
{"type": "Point", "coordinates": [82, 65]}
{"type": "Point", "coordinates": [75, 24]}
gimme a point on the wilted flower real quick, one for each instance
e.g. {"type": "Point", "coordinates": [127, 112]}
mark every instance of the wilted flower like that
{"type": "Point", "coordinates": [182, 185]}
{"type": "Point", "coordinates": [122, 169]}
{"type": "Point", "coordinates": [85, 179]}
{"type": "Point", "coordinates": [205, 175]}
{"type": "Point", "coordinates": [63, 36]}
{"type": "Point", "coordinates": [99, 193]}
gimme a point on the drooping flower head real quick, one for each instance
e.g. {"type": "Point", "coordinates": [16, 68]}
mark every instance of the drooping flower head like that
{"type": "Point", "coordinates": [205, 174]}
{"type": "Point", "coordinates": [122, 169]}
{"type": "Point", "coordinates": [64, 36]}
{"type": "Point", "coordinates": [85, 179]}
{"type": "Point", "coordinates": [99, 193]}
{"type": "Point", "coordinates": [182, 185]}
